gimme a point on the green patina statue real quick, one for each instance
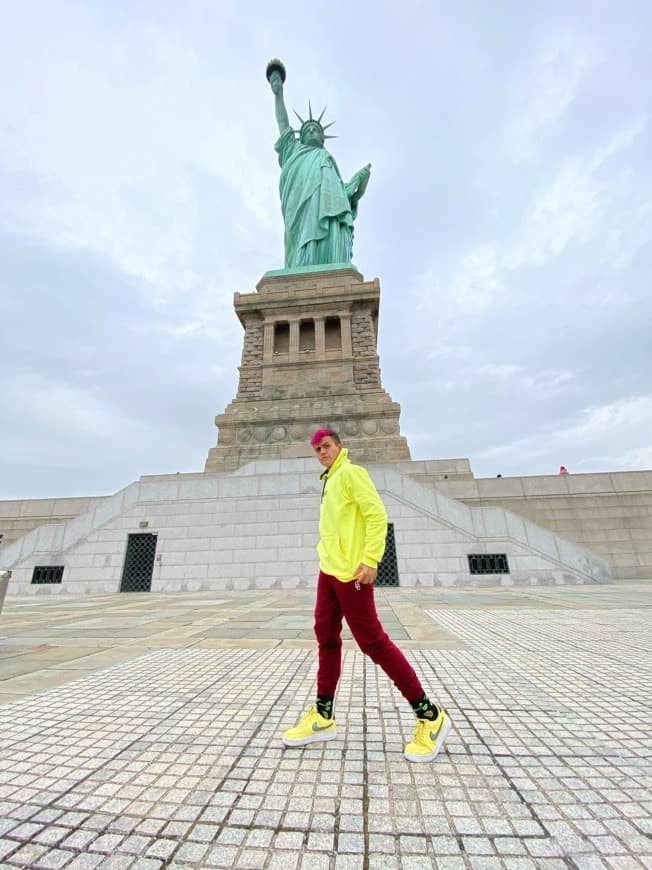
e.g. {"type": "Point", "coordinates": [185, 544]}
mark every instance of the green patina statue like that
{"type": "Point", "coordinates": [318, 207]}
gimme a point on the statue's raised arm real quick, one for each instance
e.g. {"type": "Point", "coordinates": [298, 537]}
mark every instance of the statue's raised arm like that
{"type": "Point", "coordinates": [318, 207]}
{"type": "Point", "coordinates": [276, 77]}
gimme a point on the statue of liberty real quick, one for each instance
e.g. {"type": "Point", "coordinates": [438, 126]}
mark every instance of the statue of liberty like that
{"type": "Point", "coordinates": [318, 207]}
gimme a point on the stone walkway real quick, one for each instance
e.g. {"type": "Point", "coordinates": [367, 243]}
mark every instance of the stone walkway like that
{"type": "Point", "coordinates": [143, 731]}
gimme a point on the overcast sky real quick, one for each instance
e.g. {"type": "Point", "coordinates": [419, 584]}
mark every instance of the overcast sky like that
{"type": "Point", "coordinates": [508, 217]}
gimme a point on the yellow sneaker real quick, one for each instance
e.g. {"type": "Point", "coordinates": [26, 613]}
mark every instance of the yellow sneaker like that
{"type": "Point", "coordinates": [313, 728]}
{"type": "Point", "coordinates": [429, 736]}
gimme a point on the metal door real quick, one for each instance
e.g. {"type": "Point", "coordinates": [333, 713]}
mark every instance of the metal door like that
{"type": "Point", "coordinates": [139, 563]}
{"type": "Point", "coordinates": [388, 567]}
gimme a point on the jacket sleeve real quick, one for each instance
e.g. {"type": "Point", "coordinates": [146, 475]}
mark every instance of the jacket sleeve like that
{"type": "Point", "coordinates": [365, 494]}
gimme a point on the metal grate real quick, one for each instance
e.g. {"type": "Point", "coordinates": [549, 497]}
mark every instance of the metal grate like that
{"type": "Point", "coordinates": [47, 574]}
{"type": "Point", "coordinates": [388, 567]}
{"type": "Point", "coordinates": [139, 563]}
{"type": "Point", "coordinates": [488, 563]}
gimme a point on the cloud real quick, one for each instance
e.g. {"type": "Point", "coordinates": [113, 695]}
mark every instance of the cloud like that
{"type": "Point", "coordinates": [499, 370]}
{"type": "Point", "coordinates": [64, 408]}
{"type": "Point", "coordinates": [98, 382]}
{"type": "Point", "coordinates": [592, 435]}
{"type": "Point", "coordinates": [141, 155]}
{"type": "Point", "coordinates": [624, 414]}
{"type": "Point", "coordinates": [638, 458]}
{"type": "Point", "coordinates": [579, 210]}
{"type": "Point", "coordinates": [509, 219]}
{"type": "Point", "coordinates": [579, 204]}
{"type": "Point", "coordinates": [545, 95]}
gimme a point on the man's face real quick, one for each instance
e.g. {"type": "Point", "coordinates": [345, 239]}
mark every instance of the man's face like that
{"type": "Point", "coordinates": [327, 451]}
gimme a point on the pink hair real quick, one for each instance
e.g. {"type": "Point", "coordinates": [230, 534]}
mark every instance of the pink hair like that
{"type": "Point", "coordinates": [320, 434]}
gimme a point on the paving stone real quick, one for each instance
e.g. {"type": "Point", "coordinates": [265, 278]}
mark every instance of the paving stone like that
{"type": "Point", "coordinates": [78, 840]}
{"type": "Point", "coordinates": [162, 849]}
{"type": "Point", "coordinates": [283, 860]}
{"type": "Point", "coordinates": [145, 864]}
{"type": "Point", "coordinates": [379, 843]}
{"type": "Point", "coordinates": [384, 862]}
{"type": "Point", "coordinates": [590, 862]}
{"type": "Point", "coordinates": [191, 853]}
{"type": "Point", "coordinates": [153, 759]}
{"type": "Point", "coordinates": [28, 854]}
{"type": "Point", "coordinates": [117, 862]}
{"type": "Point", "coordinates": [627, 862]}
{"type": "Point", "coordinates": [135, 845]}
{"type": "Point", "coordinates": [449, 863]}
{"type": "Point", "coordinates": [54, 859]}
{"type": "Point", "coordinates": [315, 861]}
{"type": "Point", "coordinates": [411, 845]}
{"type": "Point", "coordinates": [85, 861]}
{"type": "Point", "coordinates": [203, 833]}
{"type": "Point", "coordinates": [413, 862]}
{"type": "Point", "coordinates": [482, 862]}
{"type": "Point", "coordinates": [50, 836]}
{"type": "Point", "coordinates": [520, 864]}
{"type": "Point", "coordinates": [260, 838]}
{"type": "Point", "coordinates": [107, 843]}
{"type": "Point", "coordinates": [348, 862]}
{"type": "Point", "coordinates": [221, 856]}
{"type": "Point", "coordinates": [289, 840]}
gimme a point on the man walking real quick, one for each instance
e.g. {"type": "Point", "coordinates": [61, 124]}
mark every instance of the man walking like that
{"type": "Point", "coordinates": [352, 530]}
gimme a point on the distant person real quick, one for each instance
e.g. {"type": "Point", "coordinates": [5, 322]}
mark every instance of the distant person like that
{"type": "Point", "coordinates": [563, 469]}
{"type": "Point", "coordinates": [352, 529]}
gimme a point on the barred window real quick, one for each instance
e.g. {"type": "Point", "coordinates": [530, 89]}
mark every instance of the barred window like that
{"type": "Point", "coordinates": [47, 574]}
{"type": "Point", "coordinates": [488, 563]}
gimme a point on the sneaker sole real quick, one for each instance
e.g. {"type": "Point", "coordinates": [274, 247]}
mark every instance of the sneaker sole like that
{"type": "Point", "coordinates": [322, 737]}
{"type": "Point", "coordinates": [442, 739]}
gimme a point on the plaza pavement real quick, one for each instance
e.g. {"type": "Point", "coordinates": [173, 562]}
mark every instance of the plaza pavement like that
{"type": "Point", "coordinates": [142, 731]}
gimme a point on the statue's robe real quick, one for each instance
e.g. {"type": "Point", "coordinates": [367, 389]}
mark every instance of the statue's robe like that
{"type": "Point", "coordinates": [316, 209]}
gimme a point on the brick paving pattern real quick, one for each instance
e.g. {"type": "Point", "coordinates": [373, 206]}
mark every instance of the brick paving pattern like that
{"type": "Point", "coordinates": [173, 758]}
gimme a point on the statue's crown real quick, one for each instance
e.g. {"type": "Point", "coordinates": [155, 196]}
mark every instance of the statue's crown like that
{"type": "Point", "coordinates": [312, 121]}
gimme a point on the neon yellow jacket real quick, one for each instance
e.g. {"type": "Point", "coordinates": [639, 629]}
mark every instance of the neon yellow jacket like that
{"type": "Point", "coordinates": [352, 520]}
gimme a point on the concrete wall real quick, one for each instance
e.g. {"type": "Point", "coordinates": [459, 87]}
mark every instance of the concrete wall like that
{"type": "Point", "coordinates": [258, 529]}
{"type": "Point", "coordinates": [18, 517]}
{"type": "Point", "coordinates": [609, 513]}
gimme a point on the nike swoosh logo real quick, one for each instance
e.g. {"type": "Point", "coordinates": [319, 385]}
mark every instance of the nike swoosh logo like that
{"type": "Point", "coordinates": [316, 727]}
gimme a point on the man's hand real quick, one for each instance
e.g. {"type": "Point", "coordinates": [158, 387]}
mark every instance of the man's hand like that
{"type": "Point", "coordinates": [364, 574]}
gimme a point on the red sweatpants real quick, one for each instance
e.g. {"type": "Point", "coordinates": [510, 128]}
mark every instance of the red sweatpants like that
{"type": "Point", "coordinates": [355, 602]}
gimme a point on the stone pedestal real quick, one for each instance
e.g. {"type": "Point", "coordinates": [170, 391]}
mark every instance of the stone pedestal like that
{"type": "Point", "coordinates": [309, 360]}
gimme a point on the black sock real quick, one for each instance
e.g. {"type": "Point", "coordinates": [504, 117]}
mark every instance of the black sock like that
{"type": "Point", "coordinates": [425, 709]}
{"type": "Point", "coordinates": [325, 706]}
